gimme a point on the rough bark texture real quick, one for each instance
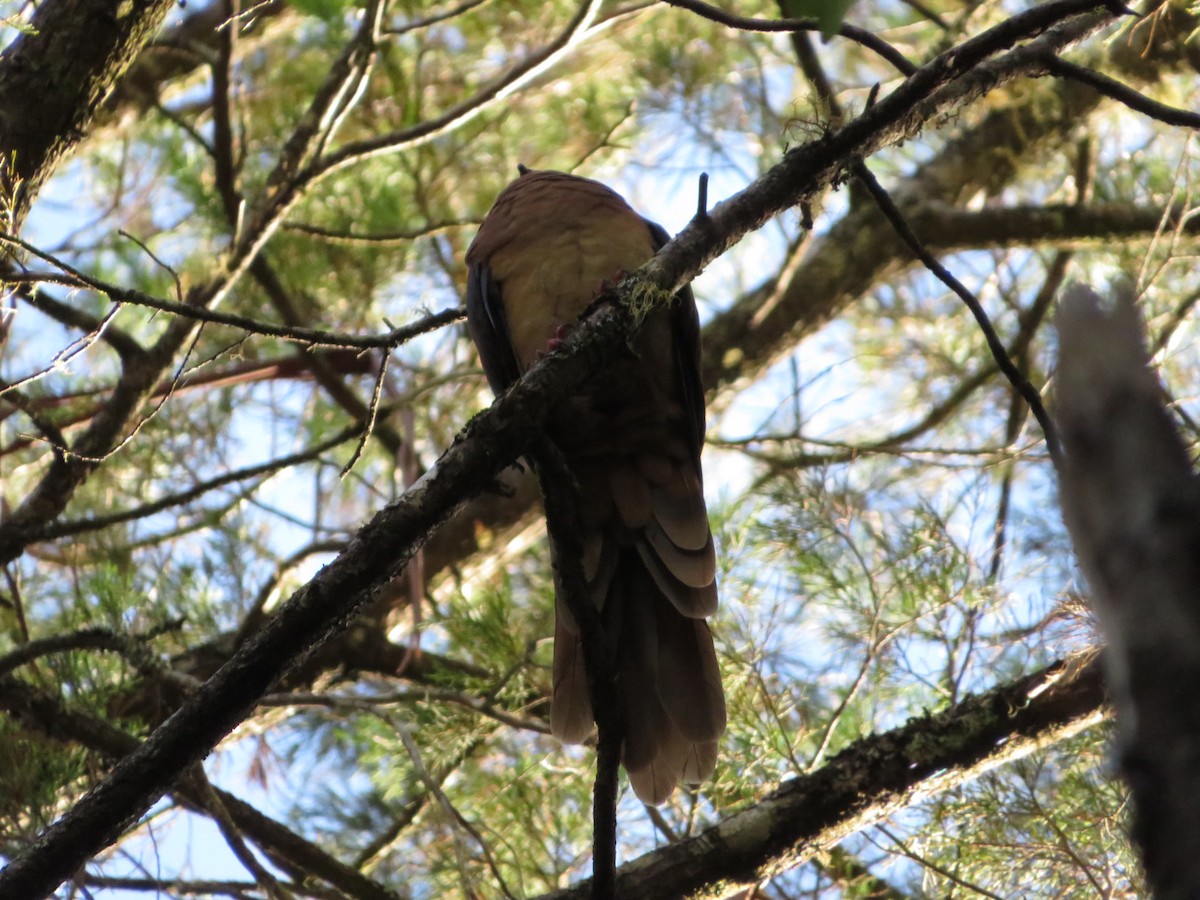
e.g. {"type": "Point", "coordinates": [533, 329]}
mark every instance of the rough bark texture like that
{"type": "Point", "coordinates": [53, 81]}
{"type": "Point", "coordinates": [1132, 504]}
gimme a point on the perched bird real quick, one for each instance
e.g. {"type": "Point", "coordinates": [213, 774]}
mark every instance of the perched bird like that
{"type": "Point", "coordinates": [632, 441]}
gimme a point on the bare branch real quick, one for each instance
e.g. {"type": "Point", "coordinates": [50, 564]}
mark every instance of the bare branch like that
{"type": "Point", "coordinates": [1018, 380]}
{"type": "Point", "coordinates": [309, 336]}
{"type": "Point", "coordinates": [746, 23]}
{"type": "Point", "coordinates": [1123, 93]}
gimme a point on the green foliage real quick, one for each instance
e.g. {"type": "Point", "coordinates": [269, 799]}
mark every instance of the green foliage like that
{"type": "Point", "coordinates": [34, 772]}
{"type": "Point", "coordinates": [1054, 824]}
{"type": "Point", "coordinates": [828, 13]}
{"type": "Point", "coordinates": [864, 456]}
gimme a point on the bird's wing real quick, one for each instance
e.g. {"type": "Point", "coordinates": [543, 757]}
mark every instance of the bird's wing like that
{"type": "Point", "coordinates": [685, 325]}
{"type": "Point", "coordinates": [487, 324]}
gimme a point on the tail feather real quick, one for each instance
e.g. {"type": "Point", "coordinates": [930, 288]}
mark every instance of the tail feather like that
{"type": "Point", "coordinates": [631, 495]}
{"type": "Point", "coordinates": [570, 705]}
{"type": "Point", "coordinates": [689, 682]}
{"type": "Point", "coordinates": [655, 781]}
{"type": "Point", "coordinates": [695, 568]}
{"type": "Point", "coordinates": [650, 567]}
{"type": "Point", "coordinates": [679, 509]}
{"type": "Point", "coordinates": [668, 671]}
{"type": "Point", "coordinates": [700, 763]}
{"type": "Point", "coordinates": [692, 602]}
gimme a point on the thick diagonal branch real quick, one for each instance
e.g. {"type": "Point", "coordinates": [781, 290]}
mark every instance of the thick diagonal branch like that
{"type": "Point", "coordinates": [870, 780]}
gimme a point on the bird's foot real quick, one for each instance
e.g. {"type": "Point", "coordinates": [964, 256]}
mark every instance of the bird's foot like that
{"type": "Point", "coordinates": [561, 333]}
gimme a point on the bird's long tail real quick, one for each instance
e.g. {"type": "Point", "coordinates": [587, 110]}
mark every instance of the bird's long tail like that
{"type": "Point", "coordinates": [672, 703]}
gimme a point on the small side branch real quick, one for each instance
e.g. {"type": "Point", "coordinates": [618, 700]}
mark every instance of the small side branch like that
{"type": "Point", "coordinates": [74, 278]}
{"type": "Point", "coordinates": [1027, 391]}
{"type": "Point", "coordinates": [747, 23]}
{"type": "Point", "coordinates": [1123, 93]}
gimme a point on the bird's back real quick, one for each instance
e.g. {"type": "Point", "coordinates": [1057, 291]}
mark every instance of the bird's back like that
{"type": "Point", "coordinates": [632, 441]}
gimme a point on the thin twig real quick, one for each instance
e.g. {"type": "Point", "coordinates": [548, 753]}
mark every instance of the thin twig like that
{"type": "Point", "coordinates": [372, 414]}
{"type": "Point", "coordinates": [241, 373]}
{"type": "Point", "coordinates": [169, 887]}
{"type": "Point", "coordinates": [310, 336]}
{"type": "Point", "coordinates": [434, 18]}
{"type": "Point", "coordinates": [157, 260]}
{"type": "Point", "coordinates": [411, 808]}
{"type": "Point", "coordinates": [233, 837]}
{"type": "Point", "coordinates": [747, 23]}
{"type": "Point", "coordinates": [999, 353]}
{"type": "Point", "coordinates": [54, 530]}
{"type": "Point", "coordinates": [1122, 93]}
{"type": "Point", "coordinates": [354, 88]}
{"type": "Point", "coordinates": [1028, 320]}
{"type": "Point", "coordinates": [119, 441]}
{"type": "Point", "coordinates": [417, 695]}
{"type": "Point", "coordinates": [102, 327]}
{"type": "Point", "coordinates": [928, 863]}
{"type": "Point", "coordinates": [402, 236]}
{"type": "Point", "coordinates": [414, 753]}
{"type": "Point", "coordinates": [62, 357]}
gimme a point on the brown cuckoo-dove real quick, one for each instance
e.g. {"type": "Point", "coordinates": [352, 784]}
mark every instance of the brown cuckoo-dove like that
{"type": "Point", "coordinates": [632, 441]}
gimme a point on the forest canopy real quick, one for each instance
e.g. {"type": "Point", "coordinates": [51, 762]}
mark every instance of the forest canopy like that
{"type": "Point", "coordinates": [276, 602]}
